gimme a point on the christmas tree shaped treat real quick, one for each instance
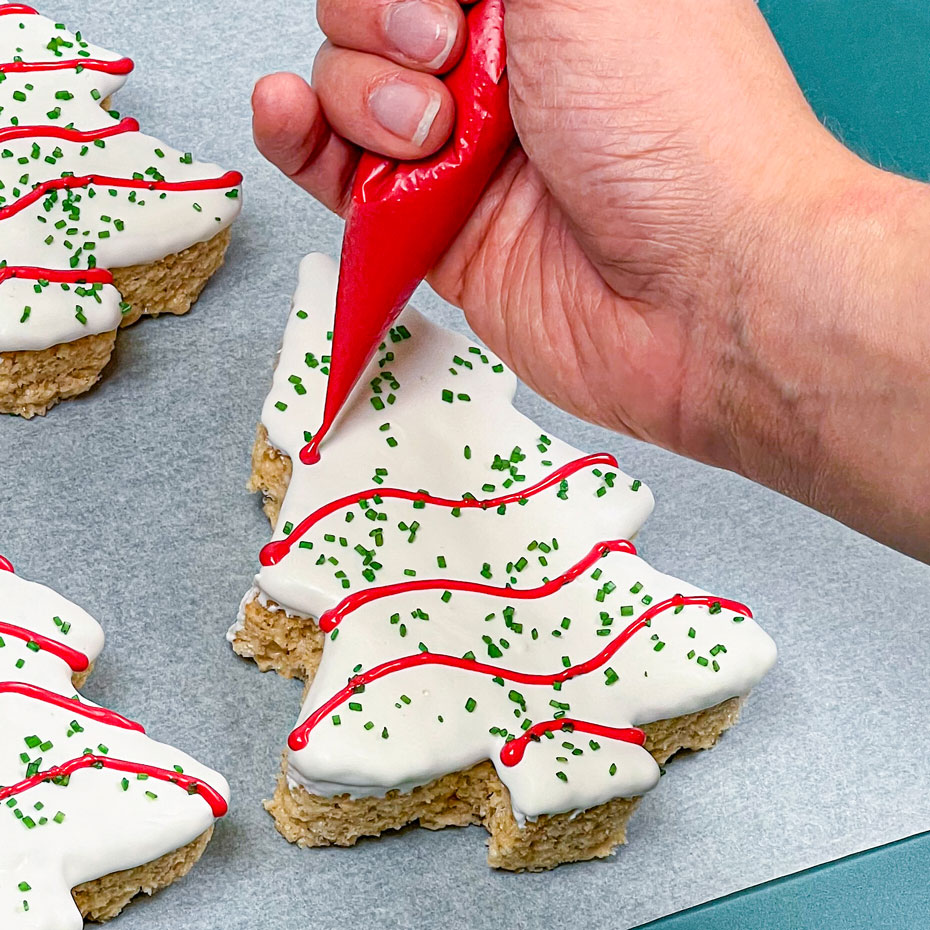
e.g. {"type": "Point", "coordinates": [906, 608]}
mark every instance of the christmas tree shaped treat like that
{"type": "Point", "coordinates": [93, 810]}
{"type": "Point", "coordinates": [482, 642]}
{"type": "Point", "coordinates": [99, 223]}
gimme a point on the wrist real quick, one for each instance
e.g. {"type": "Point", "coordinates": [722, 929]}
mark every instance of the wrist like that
{"type": "Point", "coordinates": [831, 343]}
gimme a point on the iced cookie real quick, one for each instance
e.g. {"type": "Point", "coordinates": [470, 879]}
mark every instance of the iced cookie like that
{"type": "Point", "coordinates": [99, 223]}
{"type": "Point", "coordinates": [480, 640]}
{"type": "Point", "coordinates": [94, 812]}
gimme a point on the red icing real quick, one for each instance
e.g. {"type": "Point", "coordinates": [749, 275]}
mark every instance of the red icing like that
{"type": "Point", "coordinates": [512, 753]}
{"type": "Point", "coordinates": [75, 276]}
{"type": "Point", "coordinates": [100, 714]}
{"type": "Point", "coordinates": [193, 785]}
{"type": "Point", "coordinates": [404, 215]}
{"type": "Point", "coordinates": [334, 616]}
{"type": "Point", "coordinates": [68, 135]}
{"type": "Point", "coordinates": [77, 661]}
{"type": "Point", "coordinates": [274, 552]}
{"type": "Point", "coordinates": [120, 66]}
{"type": "Point", "coordinates": [88, 275]}
{"type": "Point", "coordinates": [299, 737]}
{"type": "Point", "coordinates": [230, 179]}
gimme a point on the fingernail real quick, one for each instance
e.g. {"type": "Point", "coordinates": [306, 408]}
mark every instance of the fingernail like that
{"type": "Point", "coordinates": [405, 109]}
{"type": "Point", "coordinates": [422, 31]}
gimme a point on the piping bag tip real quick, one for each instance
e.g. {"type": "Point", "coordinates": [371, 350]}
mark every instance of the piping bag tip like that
{"type": "Point", "coordinates": [310, 454]}
{"type": "Point", "coordinates": [404, 216]}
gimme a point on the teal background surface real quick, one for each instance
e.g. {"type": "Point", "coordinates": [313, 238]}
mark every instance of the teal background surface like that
{"type": "Point", "coordinates": [883, 889]}
{"type": "Point", "coordinates": [865, 67]}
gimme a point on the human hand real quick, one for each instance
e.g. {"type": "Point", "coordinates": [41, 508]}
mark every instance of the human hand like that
{"type": "Point", "coordinates": [677, 249]}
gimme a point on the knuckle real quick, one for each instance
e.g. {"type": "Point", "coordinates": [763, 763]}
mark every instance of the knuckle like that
{"type": "Point", "coordinates": [327, 13]}
{"type": "Point", "coordinates": [321, 62]}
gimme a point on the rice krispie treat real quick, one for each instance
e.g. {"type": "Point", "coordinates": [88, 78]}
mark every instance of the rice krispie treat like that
{"type": "Point", "coordinates": [94, 812]}
{"type": "Point", "coordinates": [481, 642]}
{"type": "Point", "coordinates": [99, 223]}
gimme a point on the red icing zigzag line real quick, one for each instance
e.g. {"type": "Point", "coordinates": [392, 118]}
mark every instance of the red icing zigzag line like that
{"type": "Point", "coordinates": [68, 135]}
{"type": "Point", "coordinates": [275, 551]}
{"type": "Point", "coordinates": [77, 661]}
{"type": "Point", "coordinates": [216, 801]}
{"type": "Point", "coordinates": [230, 179]}
{"type": "Point", "coordinates": [331, 618]}
{"type": "Point", "coordinates": [120, 66]}
{"type": "Point", "coordinates": [100, 714]}
{"type": "Point", "coordinates": [512, 753]}
{"type": "Point", "coordinates": [299, 737]}
{"type": "Point", "coordinates": [77, 276]}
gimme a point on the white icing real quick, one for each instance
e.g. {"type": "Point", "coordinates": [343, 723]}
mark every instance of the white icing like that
{"type": "Point", "coordinates": [420, 727]}
{"type": "Point", "coordinates": [431, 435]}
{"type": "Point", "coordinates": [104, 827]}
{"type": "Point", "coordinates": [253, 594]}
{"type": "Point", "coordinates": [112, 229]}
{"type": "Point", "coordinates": [239, 624]}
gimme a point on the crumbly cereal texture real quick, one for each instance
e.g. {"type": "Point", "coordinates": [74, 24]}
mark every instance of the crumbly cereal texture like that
{"type": "Point", "coordinates": [106, 897]}
{"type": "Point", "coordinates": [31, 382]}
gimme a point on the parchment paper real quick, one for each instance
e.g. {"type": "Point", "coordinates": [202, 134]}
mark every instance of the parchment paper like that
{"type": "Point", "coordinates": [131, 500]}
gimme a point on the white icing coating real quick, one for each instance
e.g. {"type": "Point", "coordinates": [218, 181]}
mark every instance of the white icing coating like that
{"type": "Point", "coordinates": [98, 225]}
{"type": "Point", "coordinates": [96, 824]}
{"type": "Point", "coordinates": [417, 724]}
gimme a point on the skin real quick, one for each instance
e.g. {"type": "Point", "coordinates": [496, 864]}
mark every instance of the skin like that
{"type": "Point", "coordinates": [677, 249]}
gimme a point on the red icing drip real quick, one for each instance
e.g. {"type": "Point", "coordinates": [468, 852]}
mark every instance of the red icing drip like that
{"type": "Point", "coordinates": [334, 616]}
{"type": "Point", "coordinates": [230, 179]}
{"type": "Point", "coordinates": [512, 753]}
{"type": "Point", "coordinates": [68, 135]}
{"type": "Point", "coordinates": [310, 454]}
{"type": "Point", "coordinates": [6, 565]}
{"type": "Point", "coordinates": [76, 660]}
{"type": "Point", "coordinates": [75, 276]}
{"type": "Point", "coordinates": [299, 737]}
{"type": "Point", "coordinates": [193, 785]}
{"type": "Point", "coordinates": [100, 714]}
{"type": "Point", "coordinates": [7, 9]}
{"type": "Point", "coordinates": [274, 552]}
{"type": "Point", "coordinates": [120, 66]}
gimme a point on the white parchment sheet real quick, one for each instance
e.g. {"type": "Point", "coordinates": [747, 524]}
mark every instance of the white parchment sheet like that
{"type": "Point", "coordinates": [131, 500]}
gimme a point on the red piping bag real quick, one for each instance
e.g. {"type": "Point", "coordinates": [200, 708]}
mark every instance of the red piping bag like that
{"type": "Point", "coordinates": [404, 216]}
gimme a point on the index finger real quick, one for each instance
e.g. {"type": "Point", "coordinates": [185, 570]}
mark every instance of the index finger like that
{"type": "Point", "coordinates": [425, 35]}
